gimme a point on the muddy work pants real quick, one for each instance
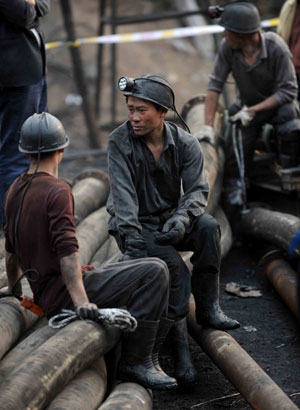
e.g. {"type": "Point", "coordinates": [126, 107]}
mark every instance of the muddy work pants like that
{"type": "Point", "coordinates": [141, 286]}
{"type": "Point", "coordinates": [203, 239]}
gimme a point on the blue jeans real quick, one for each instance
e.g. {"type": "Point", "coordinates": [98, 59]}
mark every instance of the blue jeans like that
{"type": "Point", "coordinates": [16, 105]}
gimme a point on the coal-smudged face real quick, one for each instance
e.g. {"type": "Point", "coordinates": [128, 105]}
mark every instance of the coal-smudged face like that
{"type": "Point", "coordinates": [144, 117]}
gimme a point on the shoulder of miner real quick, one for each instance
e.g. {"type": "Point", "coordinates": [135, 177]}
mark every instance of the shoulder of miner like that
{"type": "Point", "coordinates": [281, 64]}
{"type": "Point", "coordinates": [60, 211]}
{"type": "Point", "coordinates": [222, 67]}
{"type": "Point", "coordinates": [184, 141]}
{"type": "Point", "coordinates": [21, 13]}
{"type": "Point", "coordinates": [123, 138]}
{"type": "Point", "coordinates": [274, 43]}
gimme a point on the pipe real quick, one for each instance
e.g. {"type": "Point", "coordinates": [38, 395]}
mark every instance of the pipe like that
{"type": "Point", "coordinates": [90, 190]}
{"type": "Point", "coordinates": [2, 246]}
{"type": "Point", "coordinates": [193, 114]}
{"type": "Point", "coordinates": [226, 238]}
{"type": "Point", "coordinates": [226, 233]}
{"type": "Point", "coordinates": [128, 396]}
{"type": "Point", "coordinates": [274, 227]}
{"type": "Point", "coordinates": [14, 321]}
{"type": "Point", "coordinates": [107, 252]}
{"type": "Point", "coordinates": [91, 233]}
{"type": "Point", "coordinates": [86, 391]}
{"type": "Point", "coordinates": [283, 278]}
{"type": "Point", "coordinates": [239, 368]}
{"type": "Point", "coordinates": [43, 374]}
{"type": "Point", "coordinates": [24, 349]}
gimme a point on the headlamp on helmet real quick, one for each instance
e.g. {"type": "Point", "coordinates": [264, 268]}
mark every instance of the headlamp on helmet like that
{"type": "Point", "coordinates": [126, 84]}
{"type": "Point", "coordinates": [215, 12]}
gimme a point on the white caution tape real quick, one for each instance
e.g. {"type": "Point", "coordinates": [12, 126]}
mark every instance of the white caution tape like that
{"type": "Point", "coordinates": [151, 35]}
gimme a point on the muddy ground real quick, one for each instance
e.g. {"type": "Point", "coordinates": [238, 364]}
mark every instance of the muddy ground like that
{"type": "Point", "coordinates": [269, 332]}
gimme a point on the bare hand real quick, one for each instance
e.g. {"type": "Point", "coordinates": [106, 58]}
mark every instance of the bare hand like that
{"type": "Point", "coordinates": [32, 2]}
{"type": "Point", "coordinates": [88, 311]}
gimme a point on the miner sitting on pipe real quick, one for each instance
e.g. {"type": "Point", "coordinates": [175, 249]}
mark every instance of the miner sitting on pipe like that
{"type": "Point", "coordinates": [41, 242]}
{"type": "Point", "coordinates": [151, 161]}
{"type": "Point", "coordinates": [266, 84]}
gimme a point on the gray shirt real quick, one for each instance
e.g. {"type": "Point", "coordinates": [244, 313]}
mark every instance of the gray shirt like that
{"type": "Point", "coordinates": [272, 74]}
{"type": "Point", "coordinates": [141, 190]}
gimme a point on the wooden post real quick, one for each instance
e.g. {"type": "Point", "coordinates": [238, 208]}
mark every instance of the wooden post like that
{"type": "Point", "coordinates": [79, 74]}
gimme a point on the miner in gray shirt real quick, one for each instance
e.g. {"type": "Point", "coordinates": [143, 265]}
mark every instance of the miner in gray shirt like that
{"type": "Point", "coordinates": [157, 205]}
{"type": "Point", "coordinates": [266, 88]}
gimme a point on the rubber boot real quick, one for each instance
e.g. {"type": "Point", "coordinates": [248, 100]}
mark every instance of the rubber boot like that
{"type": "Point", "coordinates": [136, 363]}
{"type": "Point", "coordinates": [164, 328]}
{"type": "Point", "coordinates": [185, 372]}
{"type": "Point", "coordinates": [205, 288]}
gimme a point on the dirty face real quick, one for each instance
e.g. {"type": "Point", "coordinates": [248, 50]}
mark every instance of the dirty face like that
{"type": "Point", "coordinates": [235, 40]}
{"type": "Point", "coordinates": [145, 119]}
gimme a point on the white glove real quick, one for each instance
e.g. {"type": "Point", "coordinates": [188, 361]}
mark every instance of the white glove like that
{"type": "Point", "coordinates": [206, 133]}
{"type": "Point", "coordinates": [244, 115]}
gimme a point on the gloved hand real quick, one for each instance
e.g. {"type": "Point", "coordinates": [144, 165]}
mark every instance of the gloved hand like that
{"type": "Point", "coordinates": [206, 133]}
{"type": "Point", "coordinates": [87, 311]}
{"type": "Point", "coordinates": [244, 115]}
{"type": "Point", "coordinates": [135, 248]}
{"type": "Point", "coordinates": [173, 230]}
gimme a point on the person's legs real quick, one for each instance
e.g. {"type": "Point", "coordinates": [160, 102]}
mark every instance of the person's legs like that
{"type": "Point", "coordinates": [204, 241]}
{"type": "Point", "coordinates": [286, 122]}
{"type": "Point", "coordinates": [180, 290]}
{"type": "Point", "coordinates": [234, 183]}
{"type": "Point", "coordinates": [180, 287]}
{"type": "Point", "coordinates": [142, 285]}
{"type": "Point", "coordinates": [16, 105]}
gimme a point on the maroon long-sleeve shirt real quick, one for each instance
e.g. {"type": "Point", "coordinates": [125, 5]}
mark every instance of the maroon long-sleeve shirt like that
{"type": "Point", "coordinates": [46, 233]}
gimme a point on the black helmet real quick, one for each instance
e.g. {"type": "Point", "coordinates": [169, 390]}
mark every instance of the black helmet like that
{"type": "Point", "coordinates": [42, 133]}
{"type": "Point", "coordinates": [149, 87]}
{"type": "Point", "coordinates": [240, 17]}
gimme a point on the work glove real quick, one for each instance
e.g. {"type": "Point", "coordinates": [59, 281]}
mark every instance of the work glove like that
{"type": "Point", "coordinates": [135, 248]}
{"type": "Point", "coordinates": [87, 311]}
{"type": "Point", "coordinates": [173, 230]}
{"type": "Point", "coordinates": [244, 115]}
{"type": "Point", "coordinates": [207, 134]}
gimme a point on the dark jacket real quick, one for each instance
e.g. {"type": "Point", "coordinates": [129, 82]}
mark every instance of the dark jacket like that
{"type": "Point", "coordinates": [141, 189]}
{"type": "Point", "coordinates": [22, 60]}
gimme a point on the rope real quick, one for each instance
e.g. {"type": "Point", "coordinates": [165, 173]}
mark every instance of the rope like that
{"type": "Point", "coordinates": [112, 316]}
{"type": "Point", "coordinates": [237, 140]}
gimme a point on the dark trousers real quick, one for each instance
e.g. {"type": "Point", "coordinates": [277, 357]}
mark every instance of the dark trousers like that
{"type": "Point", "coordinates": [141, 286]}
{"type": "Point", "coordinates": [204, 241]}
{"type": "Point", "coordinates": [16, 105]}
{"type": "Point", "coordinates": [285, 120]}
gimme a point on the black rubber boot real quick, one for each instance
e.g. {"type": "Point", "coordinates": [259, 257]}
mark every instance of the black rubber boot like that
{"type": "Point", "coordinates": [136, 363]}
{"type": "Point", "coordinates": [205, 288]}
{"type": "Point", "coordinates": [164, 328]}
{"type": "Point", "coordinates": [185, 372]}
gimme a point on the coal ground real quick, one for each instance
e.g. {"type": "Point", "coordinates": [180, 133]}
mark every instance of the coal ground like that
{"type": "Point", "coordinates": [269, 332]}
